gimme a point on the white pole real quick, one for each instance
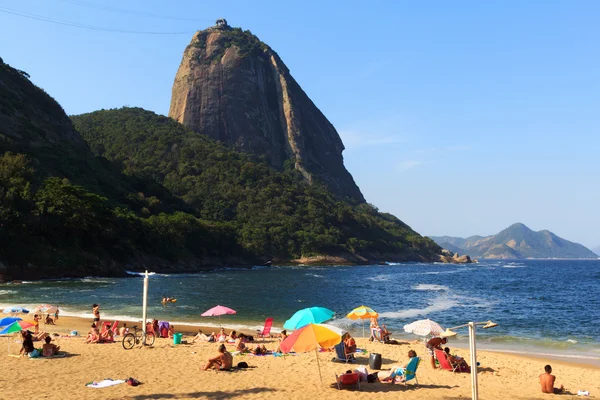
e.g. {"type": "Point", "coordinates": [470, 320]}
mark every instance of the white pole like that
{"type": "Point", "coordinates": [473, 351]}
{"type": "Point", "coordinates": [145, 305]}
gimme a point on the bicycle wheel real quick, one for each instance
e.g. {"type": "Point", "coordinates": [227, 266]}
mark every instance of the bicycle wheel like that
{"type": "Point", "coordinates": [149, 339]}
{"type": "Point", "coordinates": [128, 341]}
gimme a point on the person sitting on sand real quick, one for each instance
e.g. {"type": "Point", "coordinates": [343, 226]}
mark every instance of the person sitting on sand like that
{"type": "Point", "coordinates": [385, 334]}
{"type": "Point", "coordinates": [223, 360]}
{"type": "Point", "coordinates": [49, 349]}
{"type": "Point", "coordinates": [239, 344]}
{"type": "Point", "coordinates": [123, 330]}
{"type": "Point", "coordinates": [49, 320]}
{"type": "Point", "coordinates": [432, 344]}
{"type": "Point", "coordinates": [547, 381]}
{"type": "Point", "coordinates": [456, 360]}
{"type": "Point", "coordinates": [93, 335]}
{"type": "Point", "coordinates": [222, 336]}
{"type": "Point", "coordinates": [232, 337]}
{"type": "Point", "coordinates": [107, 336]}
{"type": "Point", "coordinates": [171, 331]}
{"type": "Point", "coordinates": [27, 343]}
{"type": "Point", "coordinates": [396, 374]}
{"type": "Point", "coordinates": [155, 328]}
{"type": "Point", "coordinates": [349, 345]}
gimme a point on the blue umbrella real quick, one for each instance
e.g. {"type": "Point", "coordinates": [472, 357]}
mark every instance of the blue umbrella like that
{"type": "Point", "coordinates": [8, 320]}
{"type": "Point", "coordinates": [314, 315]}
{"type": "Point", "coordinates": [15, 310]}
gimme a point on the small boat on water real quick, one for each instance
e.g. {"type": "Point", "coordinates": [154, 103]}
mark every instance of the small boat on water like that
{"type": "Point", "coordinates": [169, 300]}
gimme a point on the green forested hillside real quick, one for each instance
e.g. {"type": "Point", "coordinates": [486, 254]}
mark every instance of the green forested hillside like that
{"type": "Point", "coordinates": [146, 191]}
{"type": "Point", "coordinates": [275, 214]}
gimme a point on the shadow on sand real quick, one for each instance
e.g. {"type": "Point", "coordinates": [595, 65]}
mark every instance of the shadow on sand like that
{"type": "Point", "coordinates": [221, 394]}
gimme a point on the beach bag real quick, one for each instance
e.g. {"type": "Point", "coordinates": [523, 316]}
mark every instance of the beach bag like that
{"type": "Point", "coordinates": [133, 382]}
{"type": "Point", "coordinates": [242, 364]}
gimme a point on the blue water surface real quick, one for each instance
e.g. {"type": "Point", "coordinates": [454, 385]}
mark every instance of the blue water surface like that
{"type": "Point", "coordinates": [538, 304]}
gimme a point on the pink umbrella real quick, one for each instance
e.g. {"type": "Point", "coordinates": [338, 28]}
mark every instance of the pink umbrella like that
{"type": "Point", "coordinates": [218, 311]}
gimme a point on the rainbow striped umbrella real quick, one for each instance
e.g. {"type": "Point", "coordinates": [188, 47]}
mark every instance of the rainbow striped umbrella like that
{"type": "Point", "coordinates": [17, 326]}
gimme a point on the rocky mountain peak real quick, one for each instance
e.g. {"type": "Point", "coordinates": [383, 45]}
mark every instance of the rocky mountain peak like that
{"type": "Point", "coordinates": [234, 88]}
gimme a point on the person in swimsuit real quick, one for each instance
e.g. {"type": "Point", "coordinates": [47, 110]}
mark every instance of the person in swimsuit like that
{"type": "Point", "coordinates": [222, 361]}
{"type": "Point", "coordinates": [93, 335]}
{"type": "Point", "coordinates": [547, 381]}
{"type": "Point", "coordinates": [49, 349]}
{"type": "Point", "coordinates": [27, 343]}
{"type": "Point", "coordinates": [375, 330]}
{"type": "Point", "coordinates": [432, 344]}
{"type": "Point", "coordinates": [96, 312]}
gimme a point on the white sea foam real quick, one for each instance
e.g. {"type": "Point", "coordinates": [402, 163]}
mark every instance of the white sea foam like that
{"type": "Point", "coordinates": [315, 275]}
{"type": "Point", "coordinates": [423, 286]}
{"type": "Point", "coordinates": [3, 292]}
{"type": "Point", "coordinates": [514, 266]}
{"type": "Point", "coordinates": [379, 278]}
{"type": "Point", "coordinates": [439, 303]}
{"type": "Point", "coordinates": [572, 341]}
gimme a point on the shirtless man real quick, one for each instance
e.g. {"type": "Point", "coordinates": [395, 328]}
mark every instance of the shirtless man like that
{"type": "Point", "coordinates": [223, 360]}
{"type": "Point", "coordinates": [547, 382]}
{"type": "Point", "coordinates": [49, 349]}
{"type": "Point", "coordinates": [435, 343]}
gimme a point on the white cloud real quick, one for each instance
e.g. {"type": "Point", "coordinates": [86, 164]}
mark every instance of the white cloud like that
{"type": "Point", "coordinates": [410, 164]}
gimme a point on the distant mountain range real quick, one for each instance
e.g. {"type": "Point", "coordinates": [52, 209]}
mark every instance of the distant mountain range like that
{"type": "Point", "coordinates": [515, 242]}
{"type": "Point", "coordinates": [596, 250]}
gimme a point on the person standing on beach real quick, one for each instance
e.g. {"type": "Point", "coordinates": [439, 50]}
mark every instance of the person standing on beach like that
{"type": "Point", "coordinates": [96, 312]}
{"type": "Point", "coordinates": [432, 344]}
{"type": "Point", "coordinates": [547, 381]}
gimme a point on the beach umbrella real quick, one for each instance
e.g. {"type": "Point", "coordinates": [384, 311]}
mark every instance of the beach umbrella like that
{"type": "Point", "coordinates": [311, 315]}
{"type": "Point", "coordinates": [8, 320]}
{"type": "Point", "coordinates": [424, 327]}
{"type": "Point", "coordinates": [15, 310]}
{"type": "Point", "coordinates": [46, 309]}
{"type": "Point", "coordinates": [312, 337]}
{"type": "Point", "coordinates": [362, 312]}
{"type": "Point", "coordinates": [17, 326]}
{"type": "Point", "coordinates": [218, 311]}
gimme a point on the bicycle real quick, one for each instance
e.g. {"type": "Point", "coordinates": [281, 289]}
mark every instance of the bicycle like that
{"type": "Point", "coordinates": [137, 337]}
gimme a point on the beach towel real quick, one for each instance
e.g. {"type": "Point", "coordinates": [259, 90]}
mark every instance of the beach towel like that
{"type": "Point", "coordinates": [104, 383]}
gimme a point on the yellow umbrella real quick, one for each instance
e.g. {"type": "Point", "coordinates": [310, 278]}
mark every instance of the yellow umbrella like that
{"type": "Point", "coordinates": [362, 312]}
{"type": "Point", "coordinates": [311, 337]}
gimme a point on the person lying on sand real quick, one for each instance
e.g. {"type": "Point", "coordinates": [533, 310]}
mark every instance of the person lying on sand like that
{"type": "Point", "coordinates": [201, 337]}
{"type": "Point", "coordinates": [260, 350]}
{"type": "Point", "coordinates": [547, 382]}
{"type": "Point", "coordinates": [49, 349]}
{"type": "Point", "coordinates": [221, 361]}
{"type": "Point", "coordinates": [93, 335]}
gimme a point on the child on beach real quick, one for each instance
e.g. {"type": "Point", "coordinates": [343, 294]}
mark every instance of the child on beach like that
{"type": "Point", "coordinates": [547, 381]}
{"type": "Point", "coordinates": [49, 349]}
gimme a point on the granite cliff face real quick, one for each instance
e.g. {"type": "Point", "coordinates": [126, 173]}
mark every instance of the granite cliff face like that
{"type": "Point", "coordinates": [235, 89]}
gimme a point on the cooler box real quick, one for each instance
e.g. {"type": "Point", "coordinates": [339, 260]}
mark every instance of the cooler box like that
{"type": "Point", "coordinates": [375, 361]}
{"type": "Point", "coordinates": [177, 340]}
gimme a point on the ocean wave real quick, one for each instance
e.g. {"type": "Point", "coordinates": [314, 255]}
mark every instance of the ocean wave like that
{"type": "Point", "coordinates": [3, 292]}
{"type": "Point", "coordinates": [315, 275]}
{"type": "Point", "coordinates": [514, 266]}
{"type": "Point", "coordinates": [438, 304]}
{"type": "Point", "coordinates": [379, 278]}
{"type": "Point", "coordinates": [424, 286]}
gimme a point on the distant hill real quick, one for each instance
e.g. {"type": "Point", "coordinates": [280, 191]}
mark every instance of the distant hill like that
{"type": "Point", "coordinates": [515, 242]}
{"type": "Point", "coordinates": [596, 250]}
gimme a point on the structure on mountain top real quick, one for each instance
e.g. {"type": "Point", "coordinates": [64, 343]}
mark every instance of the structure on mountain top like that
{"type": "Point", "coordinates": [221, 23]}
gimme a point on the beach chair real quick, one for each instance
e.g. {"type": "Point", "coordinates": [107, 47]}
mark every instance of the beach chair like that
{"type": "Point", "coordinates": [340, 354]}
{"type": "Point", "coordinates": [442, 358]}
{"type": "Point", "coordinates": [352, 379]}
{"type": "Point", "coordinates": [115, 328]}
{"type": "Point", "coordinates": [410, 372]}
{"type": "Point", "coordinates": [266, 329]}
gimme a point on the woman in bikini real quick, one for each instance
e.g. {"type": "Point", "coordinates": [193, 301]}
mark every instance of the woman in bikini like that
{"type": "Point", "coordinates": [93, 335]}
{"type": "Point", "coordinates": [96, 312]}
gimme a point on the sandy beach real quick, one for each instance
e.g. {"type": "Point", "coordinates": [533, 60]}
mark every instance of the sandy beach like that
{"type": "Point", "coordinates": [173, 372]}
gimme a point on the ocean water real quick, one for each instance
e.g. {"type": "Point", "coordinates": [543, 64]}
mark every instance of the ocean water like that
{"type": "Point", "coordinates": [545, 307]}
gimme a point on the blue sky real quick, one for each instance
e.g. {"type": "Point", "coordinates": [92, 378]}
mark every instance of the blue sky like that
{"type": "Point", "coordinates": [459, 117]}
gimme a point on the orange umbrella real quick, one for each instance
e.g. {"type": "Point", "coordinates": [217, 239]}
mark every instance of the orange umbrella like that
{"type": "Point", "coordinates": [311, 337]}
